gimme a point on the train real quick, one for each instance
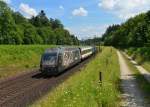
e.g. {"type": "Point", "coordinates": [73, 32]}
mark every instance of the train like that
{"type": "Point", "coordinates": [56, 60]}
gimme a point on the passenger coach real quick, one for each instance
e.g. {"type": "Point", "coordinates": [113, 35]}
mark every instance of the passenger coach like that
{"type": "Point", "coordinates": [85, 52]}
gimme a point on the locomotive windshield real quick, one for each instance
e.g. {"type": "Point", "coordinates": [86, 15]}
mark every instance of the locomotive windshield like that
{"type": "Point", "coordinates": [50, 57]}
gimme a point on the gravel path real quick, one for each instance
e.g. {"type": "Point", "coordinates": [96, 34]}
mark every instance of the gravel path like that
{"type": "Point", "coordinates": [132, 95]}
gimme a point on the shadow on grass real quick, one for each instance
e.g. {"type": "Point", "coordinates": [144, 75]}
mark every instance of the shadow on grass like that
{"type": "Point", "coordinates": [143, 84]}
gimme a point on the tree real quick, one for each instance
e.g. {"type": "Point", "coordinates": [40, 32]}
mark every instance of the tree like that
{"type": "Point", "coordinates": [47, 35]}
{"type": "Point", "coordinates": [107, 36]}
{"type": "Point", "coordinates": [40, 20]}
{"type": "Point", "coordinates": [18, 18]}
{"type": "Point", "coordinates": [9, 31]}
{"type": "Point", "coordinates": [30, 35]}
{"type": "Point", "coordinates": [55, 23]}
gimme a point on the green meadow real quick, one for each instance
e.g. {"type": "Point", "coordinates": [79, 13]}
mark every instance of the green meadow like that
{"type": "Point", "coordinates": [16, 59]}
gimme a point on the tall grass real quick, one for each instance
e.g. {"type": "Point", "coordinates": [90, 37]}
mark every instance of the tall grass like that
{"type": "Point", "coordinates": [141, 55]}
{"type": "Point", "coordinates": [83, 88]}
{"type": "Point", "coordinates": [17, 58]}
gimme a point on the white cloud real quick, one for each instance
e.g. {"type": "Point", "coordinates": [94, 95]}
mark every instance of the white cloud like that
{"type": "Point", "coordinates": [125, 9]}
{"type": "Point", "coordinates": [80, 12]}
{"type": "Point", "coordinates": [27, 10]}
{"type": "Point", "coordinates": [85, 32]}
{"type": "Point", "coordinates": [107, 4]}
{"type": "Point", "coordinates": [7, 1]}
{"type": "Point", "coordinates": [61, 7]}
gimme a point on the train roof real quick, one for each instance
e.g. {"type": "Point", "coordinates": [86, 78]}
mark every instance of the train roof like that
{"type": "Point", "coordinates": [51, 50]}
{"type": "Point", "coordinates": [67, 48]}
{"type": "Point", "coordinates": [59, 49]}
{"type": "Point", "coordinates": [86, 48]}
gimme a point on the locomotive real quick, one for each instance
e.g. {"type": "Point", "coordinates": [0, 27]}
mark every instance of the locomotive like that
{"type": "Point", "coordinates": [57, 60]}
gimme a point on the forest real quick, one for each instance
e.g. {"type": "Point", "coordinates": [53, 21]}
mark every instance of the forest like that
{"type": "Point", "coordinates": [16, 29]}
{"type": "Point", "coordinates": [135, 32]}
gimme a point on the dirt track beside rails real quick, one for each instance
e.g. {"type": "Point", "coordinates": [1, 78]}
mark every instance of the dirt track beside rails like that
{"type": "Point", "coordinates": [25, 89]}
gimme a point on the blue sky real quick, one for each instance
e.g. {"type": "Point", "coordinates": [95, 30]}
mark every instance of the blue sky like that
{"type": "Point", "coordinates": [84, 18]}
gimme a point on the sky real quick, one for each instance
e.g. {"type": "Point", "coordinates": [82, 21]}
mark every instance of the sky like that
{"type": "Point", "coordinates": [84, 18]}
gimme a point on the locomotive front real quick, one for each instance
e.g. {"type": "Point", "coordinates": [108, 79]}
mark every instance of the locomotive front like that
{"type": "Point", "coordinates": [49, 62]}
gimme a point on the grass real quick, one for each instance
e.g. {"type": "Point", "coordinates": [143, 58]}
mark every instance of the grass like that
{"type": "Point", "coordinates": [143, 63]}
{"type": "Point", "coordinates": [146, 65]}
{"type": "Point", "coordinates": [142, 82]}
{"type": "Point", "coordinates": [18, 58]}
{"type": "Point", "coordinates": [141, 56]}
{"type": "Point", "coordinates": [83, 88]}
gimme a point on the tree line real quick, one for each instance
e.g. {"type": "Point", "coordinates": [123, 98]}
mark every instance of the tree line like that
{"type": "Point", "coordinates": [135, 32]}
{"type": "Point", "coordinates": [16, 29]}
{"type": "Point", "coordinates": [93, 41]}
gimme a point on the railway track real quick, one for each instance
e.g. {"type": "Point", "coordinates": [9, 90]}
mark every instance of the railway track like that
{"type": "Point", "coordinates": [25, 89]}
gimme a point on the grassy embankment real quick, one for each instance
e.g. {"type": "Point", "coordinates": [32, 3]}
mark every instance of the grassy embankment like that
{"type": "Point", "coordinates": [141, 55]}
{"type": "Point", "coordinates": [142, 82]}
{"type": "Point", "coordinates": [18, 58]}
{"type": "Point", "coordinates": [83, 88]}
